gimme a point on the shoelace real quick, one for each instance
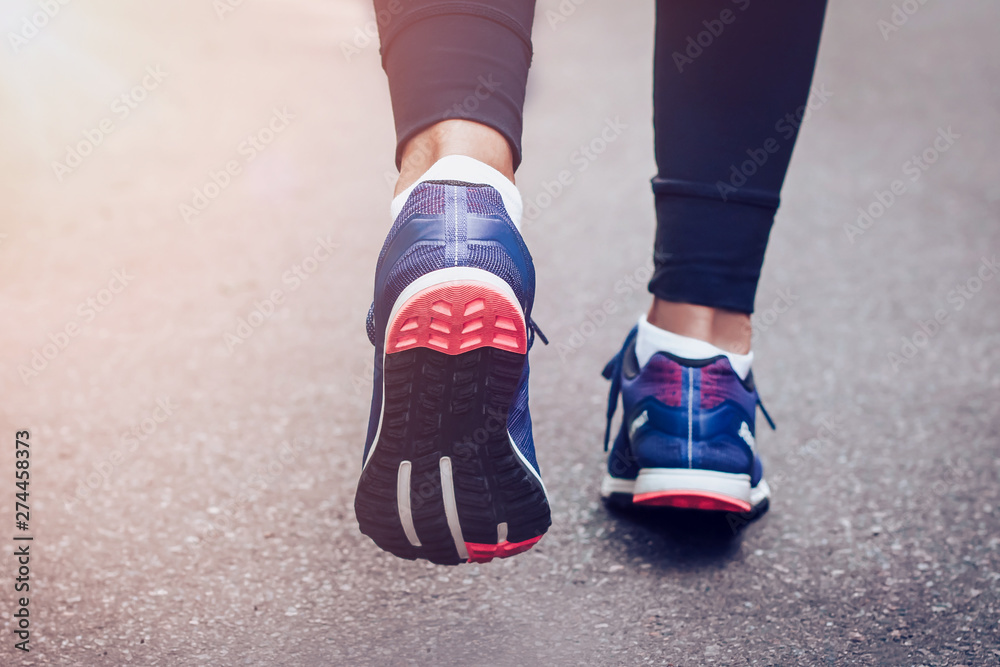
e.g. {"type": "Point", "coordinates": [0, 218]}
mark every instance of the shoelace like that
{"type": "Point", "coordinates": [770, 421]}
{"type": "Point", "coordinates": [613, 371]}
{"type": "Point", "coordinates": [533, 331]}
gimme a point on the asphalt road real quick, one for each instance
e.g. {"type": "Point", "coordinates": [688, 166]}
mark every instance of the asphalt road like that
{"type": "Point", "coordinates": [183, 335]}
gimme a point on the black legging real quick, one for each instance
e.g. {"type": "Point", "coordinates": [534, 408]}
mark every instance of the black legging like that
{"type": "Point", "coordinates": [731, 81]}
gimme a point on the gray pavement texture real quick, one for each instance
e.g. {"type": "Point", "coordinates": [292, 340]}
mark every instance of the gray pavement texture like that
{"type": "Point", "coordinates": [193, 463]}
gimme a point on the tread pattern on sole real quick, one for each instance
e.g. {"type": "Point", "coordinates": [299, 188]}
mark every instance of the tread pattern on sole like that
{"type": "Point", "coordinates": [458, 316]}
{"type": "Point", "coordinates": [452, 404]}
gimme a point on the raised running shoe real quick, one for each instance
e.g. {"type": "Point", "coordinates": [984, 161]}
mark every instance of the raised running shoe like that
{"type": "Point", "coordinates": [687, 434]}
{"type": "Point", "coordinates": [449, 471]}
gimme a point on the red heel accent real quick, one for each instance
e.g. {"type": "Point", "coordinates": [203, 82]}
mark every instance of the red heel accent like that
{"type": "Point", "coordinates": [695, 500]}
{"type": "Point", "coordinates": [484, 553]}
{"type": "Point", "coordinates": [456, 317]}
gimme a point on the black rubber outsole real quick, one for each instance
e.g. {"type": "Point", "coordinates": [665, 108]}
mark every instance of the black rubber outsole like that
{"type": "Point", "coordinates": [438, 405]}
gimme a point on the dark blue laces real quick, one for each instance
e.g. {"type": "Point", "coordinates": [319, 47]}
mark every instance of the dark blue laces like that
{"type": "Point", "coordinates": [533, 331]}
{"type": "Point", "coordinates": [766, 416]}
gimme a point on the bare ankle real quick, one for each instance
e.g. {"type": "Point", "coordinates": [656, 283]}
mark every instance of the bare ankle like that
{"type": "Point", "coordinates": [454, 137]}
{"type": "Point", "coordinates": [726, 329]}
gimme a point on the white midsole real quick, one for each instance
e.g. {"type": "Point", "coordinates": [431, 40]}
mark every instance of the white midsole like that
{"type": "Point", "coordinates": [732, 485]}
{"type": "Point", "coordinates": [654, 480]}
{"type": "Point", "coordinates": [611, 485]}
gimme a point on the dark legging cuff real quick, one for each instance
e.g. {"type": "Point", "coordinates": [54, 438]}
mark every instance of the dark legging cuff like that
{"type": "Point", "coordinates": [732, 80]}
{"type": "Point", "coordinates": [709, 251]}
{"type": "Point", "coordinates": [458, 60]}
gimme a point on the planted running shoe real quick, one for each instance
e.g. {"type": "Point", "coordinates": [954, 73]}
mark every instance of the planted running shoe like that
{"type": "Point", "coordinates": [687, 434]}
{"type": "Point", "coordinates": [449, 471]}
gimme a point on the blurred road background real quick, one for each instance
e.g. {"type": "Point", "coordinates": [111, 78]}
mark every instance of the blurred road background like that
{"type": "Point", "coordinates": [192, 200]}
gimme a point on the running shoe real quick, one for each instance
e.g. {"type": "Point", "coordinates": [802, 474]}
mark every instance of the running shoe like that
{"type": "Point", "coordinates": [687, 434]}
{"type": "Point", "coordinates": [449, 471]}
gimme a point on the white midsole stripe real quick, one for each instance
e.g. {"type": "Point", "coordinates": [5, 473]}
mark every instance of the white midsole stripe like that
{"type": "Point", "coordinates": [759, 493]}
{"type": "Point", "coordinates": [611, 485]}
{"type": "Point", "coordinates": [403, 502]}
{"type": "Point", "coordinates": [652, 480]}
{"type": "Point", "coordinates": [451, 507]}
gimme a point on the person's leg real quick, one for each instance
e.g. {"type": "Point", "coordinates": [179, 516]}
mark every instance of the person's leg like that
{"type": "Point", "coordinates": [731, 79]}
{"type": "Point", "coordinates": [449, 471]}
{"type": "Point", "coordinates": [457, 74]}
{"type": "Point", "coordinates": [453, 137]}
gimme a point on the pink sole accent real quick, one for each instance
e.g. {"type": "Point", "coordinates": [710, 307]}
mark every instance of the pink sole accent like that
{"type": "Point", "coordinates": [456, 317]}
{"type": "Point", "coordinates": [484, 553]}
{"type": "Point", "coordinates": [695, 500]}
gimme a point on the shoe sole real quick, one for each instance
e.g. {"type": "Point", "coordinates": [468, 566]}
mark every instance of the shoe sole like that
{"type": "Point", "coordinates": [688, 489]}
{"type": "Point", "coordinates": [444, 481]}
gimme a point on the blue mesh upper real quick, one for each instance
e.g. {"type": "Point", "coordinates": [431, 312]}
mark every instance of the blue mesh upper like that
{"type": "Point", "coordinates": [429, 199]}
{"type": "Point", "coordinates": [486, 201]}
{"type": "Point", "coordinates": [425, 256]}
{"type": "Point", "coordinates": [519, 421]}
{"type": "Point", "coordinates": [493, 257]}
{"type": "Point", "coordinates": [426, 199]}
{"type": "Point", "coordinates": [418, 260]}
{"type": "Point", "coordinates": [621, 462]}
{"type": "Point", "coordinates": [422, 258]}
